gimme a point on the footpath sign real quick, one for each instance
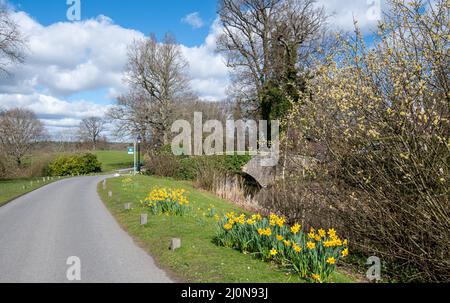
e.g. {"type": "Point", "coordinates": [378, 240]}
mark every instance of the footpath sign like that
{"type": "Point", "coordinates": [131, 150]}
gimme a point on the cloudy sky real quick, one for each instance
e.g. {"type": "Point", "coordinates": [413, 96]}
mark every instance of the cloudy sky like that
{"type": "Point", "coordinates": [75, 69]}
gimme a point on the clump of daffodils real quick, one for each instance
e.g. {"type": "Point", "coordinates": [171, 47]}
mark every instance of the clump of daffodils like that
{"type": "Point", "coordinates": [127, 183]}
{"type": "Point", "coordinates": [167, 201]}
{"type": "Point", "coordinates": [314, 254]}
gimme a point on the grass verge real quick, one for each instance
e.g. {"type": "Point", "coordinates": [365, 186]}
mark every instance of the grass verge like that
{"type": "Point", "coordinates": [199, 260]}
{"type": "Point", "coordinates": [14, 188]}
{"type": "Point", "coordinates": [11, 189]}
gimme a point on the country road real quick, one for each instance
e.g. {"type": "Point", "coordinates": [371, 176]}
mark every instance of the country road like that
{"type": "Point", "coordinates": [41, 230]}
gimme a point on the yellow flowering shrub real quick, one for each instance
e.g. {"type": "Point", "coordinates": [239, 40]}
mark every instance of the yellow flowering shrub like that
{"type": "Point", "coordinates": [167, 201]}
{"type": "Point", "coordinates": [378, 119]}
{"type": "Point", "coordinates": [313, 255]}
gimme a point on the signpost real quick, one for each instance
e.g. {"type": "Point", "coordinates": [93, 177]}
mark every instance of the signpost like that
{"type": "Point", "coordinates": [131, 151]}
{"type": "Point", "coordinates": [135, 151]}
{"type": "Point", "coordinates": [137, 148]}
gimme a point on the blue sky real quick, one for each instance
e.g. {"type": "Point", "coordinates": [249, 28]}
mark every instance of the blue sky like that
{"type": "Point", "coordinates": [147, 16]}
{"type": "Point", "coordinates": [75, 70]}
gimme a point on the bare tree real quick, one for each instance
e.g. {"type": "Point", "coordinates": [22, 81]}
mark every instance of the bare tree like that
{"type": "Point", "coordinates": [11, 40]}
{"type": "Point", "coordinates": [267, 43]}
{"type": "Point", "coordinates": [157, 75]}
{"type": "Point", "coordinates": [91, 129]}
{"type": "Point", "coordinates": [19, 130]}
{"type": "Point", "coordinates": [131, 116]}
{"type": "Point", "coordinates": [65, 139]}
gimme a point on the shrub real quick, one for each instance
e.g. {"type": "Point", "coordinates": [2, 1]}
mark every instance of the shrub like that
{"type": "Point", "coordinates": [33, 166]}
{"type": "Point", "coordinates": [313, 256]}
{"type": "Point", "coordinates": [167, 201]}
{"type": "Point", "coordinates": [301, 200]}
{"type": "Point", "coordinates": [4, 167]}
{"type": "Point", "coordinates": [200, 168]}
{"type": "Point", "coordinates": [75, 165]}
{"type": "Point", "coordinates": [39, 165]}
{"type": "Point", "coordinates": [162, 164]}
{"type": "Point", "coordinates": [382, 112]}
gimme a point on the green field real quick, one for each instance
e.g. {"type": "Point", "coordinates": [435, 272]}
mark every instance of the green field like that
{"type": "Point", "coordinates": [112, 160]}
{"type": "Point", "coordinates": [199, 259]}
{"type": "Point", "coordinates": [11, 189]}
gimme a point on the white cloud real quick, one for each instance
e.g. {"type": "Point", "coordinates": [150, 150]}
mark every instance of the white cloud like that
{"type": "Point", "coordinates": [65, 59]}
{"type": "Point", "coordinates": [70, 58]}
{"type": "Point", "coordinates": [193, 20]}
{"type": "Point", "coordinates": [51, 108]}
{"type": "Point", "coordinates": [207, 68]}
{"type": "Point", "coordinates": [343, 12]}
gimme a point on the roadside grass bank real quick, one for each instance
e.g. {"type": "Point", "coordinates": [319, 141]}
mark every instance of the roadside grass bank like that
{"type": "Point", "coordinates": [14, 188]}
{"type": "Point", "coordinates": [199, 259]}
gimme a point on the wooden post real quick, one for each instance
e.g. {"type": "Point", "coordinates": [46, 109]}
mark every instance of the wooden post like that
{"type": "Point", "coordinates": [110, 194]}
{"type": "Point", "coordinates": [127, 206]}
{"type": "Point", "coordinates": [175, 244]}
{"type": "Point", "coordinates": [144, 219]}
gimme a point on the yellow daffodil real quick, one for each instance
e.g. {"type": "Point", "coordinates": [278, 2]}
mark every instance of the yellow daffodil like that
{"type": "Point", "coordinates": [257, 217]}
{"type": "Point", "coordinates": [345, 253]}
{"type": "Point", "coordinates": [322, 233]}
{"type": "Point", "coordinates": [296, 229]}
{"type": "Point", "coordinates": [280, 237]}
{"type": "Point", "coordinates": [228, 226]}
{"type": "Point", "coordinates": [331, 261]}
{"type": "Point", "coordinates": [273, 252]}
{"type": "Point", "coordinates": [332, 232]}
{"type": "Point", "coordinates": [311, 245]}
{"type": "Point", "coordinates": [281, 222]}
{"type": "Point", "coordinates": [230, 215]}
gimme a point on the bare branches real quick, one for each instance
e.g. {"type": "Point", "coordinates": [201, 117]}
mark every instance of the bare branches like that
{"type": "Point", "coordinates": [157, 75]}
{"type": "Point", "coordinates": [91, 129]}
{"type": "Point", "coordinates": [11, 40]}
{"type": "Point", "coordinates": [268, 41]}
{"type": "Point", "coordinates": [382, 113]}
{"type": "Point", "coordinates": [19, 130]}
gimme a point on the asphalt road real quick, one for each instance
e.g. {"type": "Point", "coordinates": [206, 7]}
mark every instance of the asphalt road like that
{"type": "Point", "coordinates": [41, 230]}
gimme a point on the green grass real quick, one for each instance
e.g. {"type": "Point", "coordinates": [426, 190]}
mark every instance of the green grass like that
{"type": "Point", "coordinates": [199, 259]}
{"type": "Point", "coordinates": [11, 189]}
{"type": "Point", "coordinates": [112, 160]}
